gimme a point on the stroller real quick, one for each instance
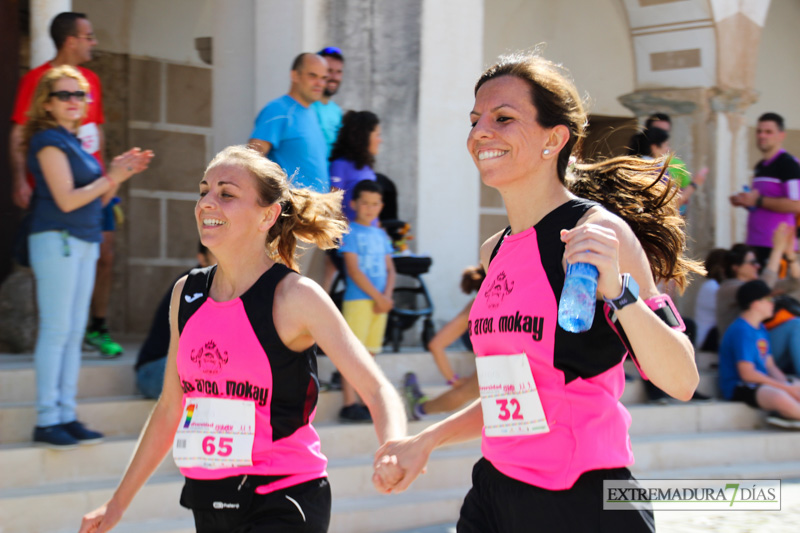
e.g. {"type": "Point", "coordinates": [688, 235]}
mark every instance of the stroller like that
{"type": "Point", "coordinates": [410, 302]}
{"type": "Point", "coordinates": [411, 298]}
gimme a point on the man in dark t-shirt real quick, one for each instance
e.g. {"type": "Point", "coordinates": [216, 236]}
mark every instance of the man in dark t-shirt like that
{"type": "Point", "coordinates": [152, 358]}
{"type": "Point", "coordinates": [775, 194]}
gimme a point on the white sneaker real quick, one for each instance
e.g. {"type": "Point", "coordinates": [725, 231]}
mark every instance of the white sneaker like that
{"type": "Point", "coordinates": [786, 423]}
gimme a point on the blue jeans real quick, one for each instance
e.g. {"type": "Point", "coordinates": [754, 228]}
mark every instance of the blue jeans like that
{"type": "Point", "coordinates": [150, 378]}
{"type": "Point", "coordinates": [784, 343]}
{"type": "Point", "coordinates": [64, 269]}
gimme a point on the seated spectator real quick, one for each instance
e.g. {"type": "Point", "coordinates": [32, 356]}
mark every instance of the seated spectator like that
{"type": "Point", "coordinates": [747, 371]}
{"type": "Point", "coordinates": [741, 266]}
{"type": "Point", "coordinates": [705, 308]}
{"type": "Point", "coordinates": [463, 389]}
{"type": "Point", "coordinates": [152, 358]}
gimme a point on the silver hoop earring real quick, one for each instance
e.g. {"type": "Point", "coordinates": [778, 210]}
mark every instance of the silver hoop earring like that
{"type": "Point", "coordinates": [546, 151]}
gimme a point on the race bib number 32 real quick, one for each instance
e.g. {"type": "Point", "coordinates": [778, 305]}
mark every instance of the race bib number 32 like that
{"type": "Point", "coordinates": [215, 433]}
{"type": "Point", "coordinates": [510, 402]}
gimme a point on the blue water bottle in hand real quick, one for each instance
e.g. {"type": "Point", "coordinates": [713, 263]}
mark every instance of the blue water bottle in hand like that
{"type": "Point", "coordinates": [576, 307]}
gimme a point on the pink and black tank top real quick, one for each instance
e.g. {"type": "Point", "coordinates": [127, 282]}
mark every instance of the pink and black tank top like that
{"type": "Point", "coordinates": [579, 376]}
{"type": "Point", "coordinates": [231, 350]}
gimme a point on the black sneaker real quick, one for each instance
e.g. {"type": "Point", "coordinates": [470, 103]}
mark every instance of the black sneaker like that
{"type": "Point", "coordinates": [83, 435]}
{"type": "Point", "coordinates": [700, 397]}
{"type": "Point", "coordinates": [354, 414]}
{"type": "Point", "coordinates": [55, 437]}
{"type": "Point", "coordinates": [336, 381]}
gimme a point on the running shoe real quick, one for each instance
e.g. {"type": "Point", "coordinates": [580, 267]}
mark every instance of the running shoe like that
{"type": "Point", "coordinates": [101, 340]}
{"type": "Point", "coordinates": [54, 437]}
{"type": "Point", "coordinates": [82, 434]}
{"type": "Point", "coordinates": [781, 422]}
{"type": "Point", "coordinates": [355, 414]}
{"type": "Point", "coordinates": [700, 397]}
{"type": "Point", "coordinates": [412, 395]}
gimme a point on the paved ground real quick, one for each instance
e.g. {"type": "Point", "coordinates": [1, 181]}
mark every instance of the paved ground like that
{"type": "Point", "coordinates": [785, 520]}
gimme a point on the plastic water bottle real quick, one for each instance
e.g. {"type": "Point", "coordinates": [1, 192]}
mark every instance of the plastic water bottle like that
{"type": "Point", "coordinates": [576, 307]}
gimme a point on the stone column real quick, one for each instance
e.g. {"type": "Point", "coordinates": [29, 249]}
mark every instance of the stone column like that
{"type": "Point", "coordinates": [233, 75]}
{"type": "Point", "coordinates": [448, 185]}
{"type": "Point", "coordinates": [732, 169]}
{"type": "Point", "coordinates": [42, 13]}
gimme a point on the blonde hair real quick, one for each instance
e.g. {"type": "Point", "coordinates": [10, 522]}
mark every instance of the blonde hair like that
{"type": "Point", "coordinates": [308, 216]}
{"type": "Point", "coordinates": [39, 119]}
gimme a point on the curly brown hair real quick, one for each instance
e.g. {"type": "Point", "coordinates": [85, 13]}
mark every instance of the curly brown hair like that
{"type": "Point", "coordinates": [352, 143]}
{"type": "Point", "coordinates": [638, 191]}
{"type": "Point", "coordinates": [306, 215]}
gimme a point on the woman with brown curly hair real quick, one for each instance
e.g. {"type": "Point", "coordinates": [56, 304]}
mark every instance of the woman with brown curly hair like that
{"type": "Point", "coordinates": [240, 386]}
{"type": "Point", "coordinates": [64, 244]}
{"type": "Point", "coordinates": [552, 426]}
{"type": "Point", "coordinates": [353, 155]}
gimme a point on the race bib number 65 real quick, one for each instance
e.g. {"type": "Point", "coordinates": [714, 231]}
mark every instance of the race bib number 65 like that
{"type": "Point", "coordinates": [215, 433]}
{"type": "Point", "coordinates": [509, 399]}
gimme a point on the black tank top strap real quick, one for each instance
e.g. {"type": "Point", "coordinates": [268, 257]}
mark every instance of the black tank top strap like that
{"type": "Point", "coordinates": [564, 216]}
{"type": "Point", "coordinates": [258, 301]}
{"type": "Point", "coordinates": [195, 293]}
{"type": "Point", "coordinates": [299, 383]}
{"type": "Point", "coordinates": [496, 249]}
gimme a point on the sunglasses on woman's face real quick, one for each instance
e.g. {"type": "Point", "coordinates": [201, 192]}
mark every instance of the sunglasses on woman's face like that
{"type": "Point", "coordinates": [65, 96]}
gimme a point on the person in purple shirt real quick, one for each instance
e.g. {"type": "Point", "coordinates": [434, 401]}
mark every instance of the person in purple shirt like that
{"type": "Point", "coordinates": [353, 154]}
{"type": "Point", "coordinates": [775, 194]}
{"type": "Point", "coordinates": [352, 157]}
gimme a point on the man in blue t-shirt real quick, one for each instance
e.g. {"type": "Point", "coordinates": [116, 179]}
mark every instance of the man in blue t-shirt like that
{"type": "Point", "coordinates": [287, 130]}
{"type": "Point", "coordinates": [328, 112]}
{"type": "Point", "coordinates": [747, 371]}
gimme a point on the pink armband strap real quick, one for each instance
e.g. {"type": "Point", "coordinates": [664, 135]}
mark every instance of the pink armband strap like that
{"type": "Point", "coordinates": [664, 309]}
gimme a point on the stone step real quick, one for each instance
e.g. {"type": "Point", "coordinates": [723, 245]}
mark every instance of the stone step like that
{"type": "Point", "coordinates": [385, 513]}
{"type": "Point", "coordinates": [356, 508]}
{"type": "Point", "coordinates": [679, 451]}
{"type": "Point", "coordinates": [770, 470]}
{"type": "Point", "coordinates": [98, 378]}
{"type": "Point", "coordinates": [21, 510]}
{"type": "Point", "coordinates": [693, 417]}
{"type": "Point", "coordinates": [449, 474]}
{"type": "Point", "coordinates": [348, 444]}
{"type": "Point", "coordinates": [374, 514]}
{"type": "Point", "coordinates": [116, 377]}
{"type": "Point", "coordinates": [118, 416]}
{"type": "Point", "coordinates": [125, 415]}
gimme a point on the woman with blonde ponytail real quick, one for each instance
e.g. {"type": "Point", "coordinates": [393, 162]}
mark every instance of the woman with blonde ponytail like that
{"type": "Point", "coordinates": [240, 387]}
{"type": "Point", "coordinates": [552, 427]}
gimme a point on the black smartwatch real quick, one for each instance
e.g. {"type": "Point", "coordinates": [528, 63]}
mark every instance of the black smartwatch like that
{"type": "Point", "coordinates": [630, 293]}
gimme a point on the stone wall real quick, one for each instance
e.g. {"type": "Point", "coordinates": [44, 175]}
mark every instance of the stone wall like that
{"type": "Point", "coordinates": [166, 107]}
{"type": "Point", "coordinates": [381, 43]}
{"type": "Point", "coordinates": [170, 113]}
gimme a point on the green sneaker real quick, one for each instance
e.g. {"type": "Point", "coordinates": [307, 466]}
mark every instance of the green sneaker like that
{"type": "Point", "coordinates": [101, 340]}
